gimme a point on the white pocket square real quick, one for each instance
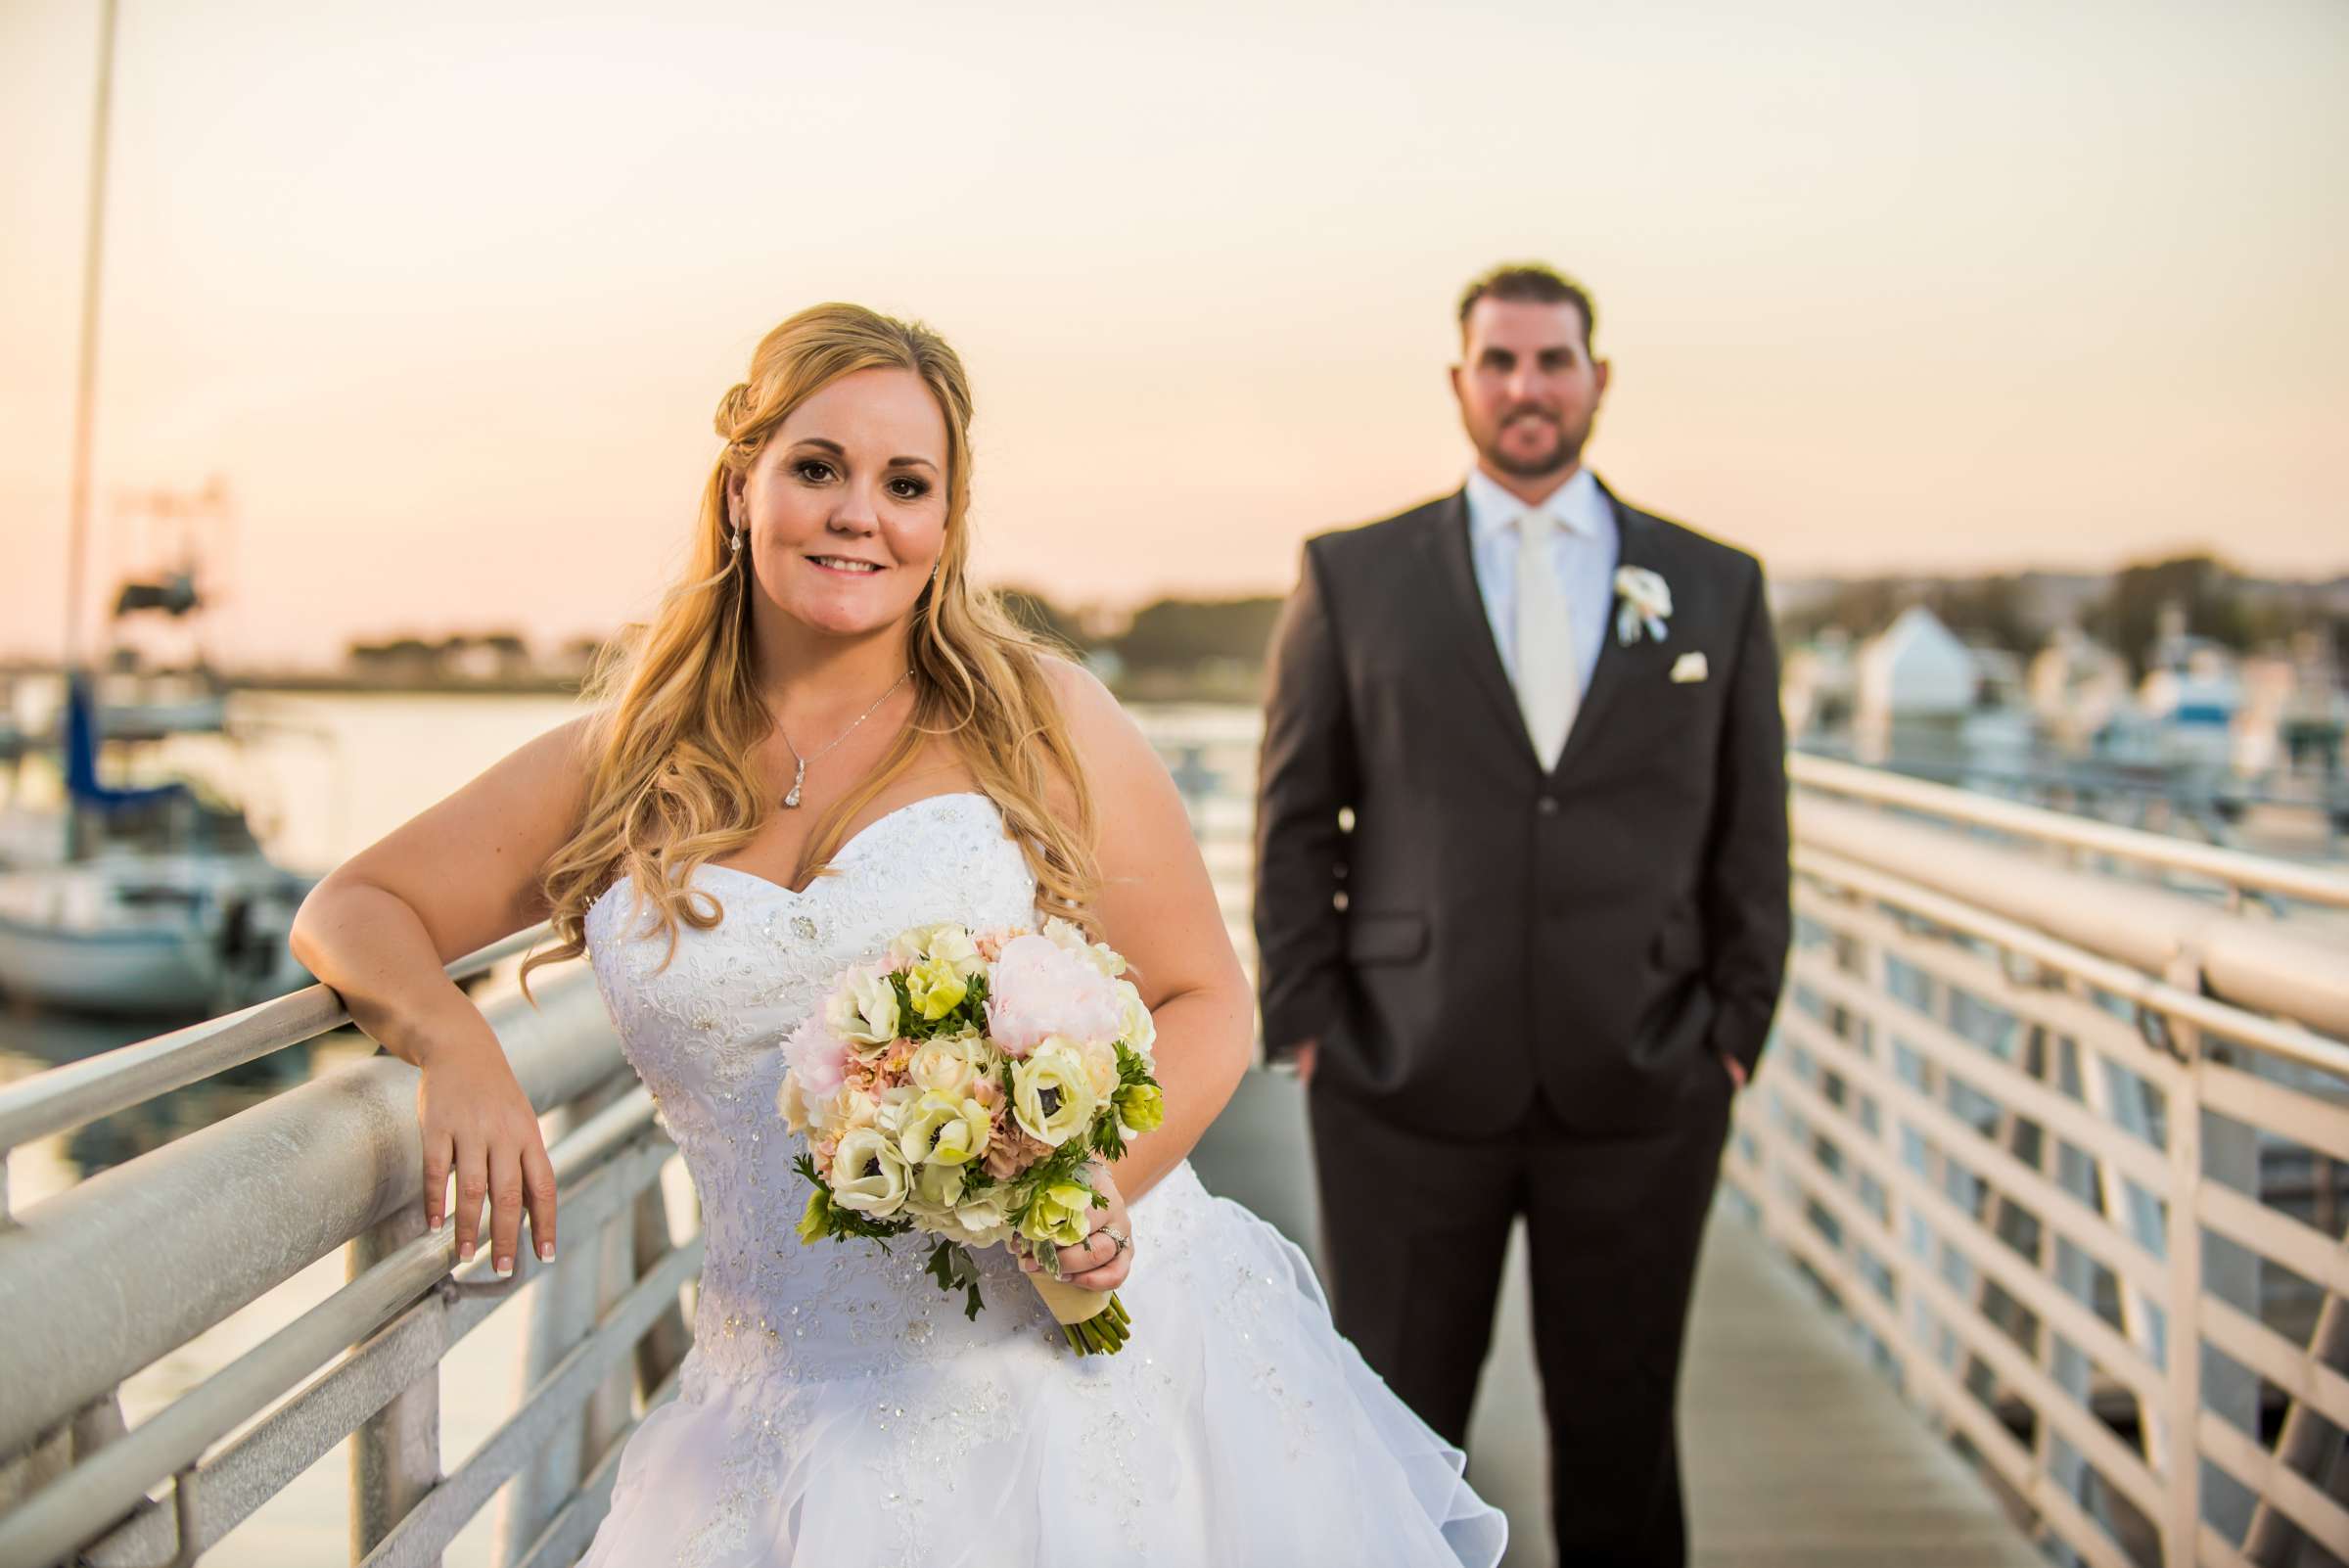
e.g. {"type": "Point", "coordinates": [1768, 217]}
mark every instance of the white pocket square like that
{"type": "Point", "coordinates": [1688, 668]}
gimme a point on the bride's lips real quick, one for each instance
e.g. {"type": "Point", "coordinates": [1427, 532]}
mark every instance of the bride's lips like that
{"type": "Point", "coordinates": [856, 567]}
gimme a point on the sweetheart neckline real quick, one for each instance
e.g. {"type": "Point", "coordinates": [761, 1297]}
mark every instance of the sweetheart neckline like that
{"type": "Point", "coordinates": [839, 855]}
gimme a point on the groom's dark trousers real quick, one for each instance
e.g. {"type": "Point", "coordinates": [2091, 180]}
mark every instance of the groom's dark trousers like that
{"type": "Point", "coordinates": [1524, 982]}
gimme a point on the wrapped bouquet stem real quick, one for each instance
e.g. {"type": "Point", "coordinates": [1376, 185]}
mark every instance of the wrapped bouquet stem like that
{"type": "Point", "coordinates": [961, 1088]}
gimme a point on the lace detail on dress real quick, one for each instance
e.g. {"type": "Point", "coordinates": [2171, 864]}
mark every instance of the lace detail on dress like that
{"type": "Point", "coordinates": [704, 1033]}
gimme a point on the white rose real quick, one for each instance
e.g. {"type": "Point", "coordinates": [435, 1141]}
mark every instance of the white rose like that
{"type": "Point", "coordinates": [949, 1064]}
{"type": "Point", "coordinates": [869, 1176]}
{"type": "Point", "coordinates": [1101, 1058]}
{"type": "Point", "coordinates": [845, 1112]}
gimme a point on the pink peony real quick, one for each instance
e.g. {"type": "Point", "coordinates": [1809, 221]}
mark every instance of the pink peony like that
{"type": "Point", "coordinates": [816, 1056]}
{"type": "Point", "coordinates": [1039, 989]}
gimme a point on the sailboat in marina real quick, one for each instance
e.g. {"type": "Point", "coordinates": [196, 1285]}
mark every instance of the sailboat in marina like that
{"type": "Point", "coordinates": [164, 903]}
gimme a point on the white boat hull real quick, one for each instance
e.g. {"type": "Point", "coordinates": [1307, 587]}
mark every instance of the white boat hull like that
{"type": "Point", "coordinates": [149, 936]}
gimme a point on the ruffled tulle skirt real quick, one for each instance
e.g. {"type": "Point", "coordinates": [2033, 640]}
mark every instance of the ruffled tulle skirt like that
{"type": "Point", "coordinates": [1236, 1429]}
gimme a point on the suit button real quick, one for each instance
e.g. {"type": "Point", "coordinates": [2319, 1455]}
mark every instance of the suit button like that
{"type": "Point", "coordinates": [1547, 806]}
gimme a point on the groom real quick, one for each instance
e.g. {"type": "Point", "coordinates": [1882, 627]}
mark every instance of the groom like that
{"type": "Point", "coordinates": [1522, 911]}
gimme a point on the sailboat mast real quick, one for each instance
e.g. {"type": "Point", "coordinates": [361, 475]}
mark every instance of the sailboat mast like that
{"type": "Point", "coordinates": [87, 383]}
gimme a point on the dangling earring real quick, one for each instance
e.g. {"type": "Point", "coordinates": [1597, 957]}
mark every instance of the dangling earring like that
{"type": "Point", "coordinates": [736, 544]}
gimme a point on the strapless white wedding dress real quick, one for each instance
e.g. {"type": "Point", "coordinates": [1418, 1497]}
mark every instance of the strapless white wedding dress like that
{"type": "Point", "coordinates": [838, 1410]}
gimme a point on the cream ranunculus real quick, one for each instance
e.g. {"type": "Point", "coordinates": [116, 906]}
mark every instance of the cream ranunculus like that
{"type": "Point", "coordinates": [864, 1011]}
{"type": "Point", "coordinates": [951, 1064]}
{"type": "Point", "coordinates": [869, 1176]}
{"type": "Point", "coordinates": [943, 1129]}
{"type": "Point", "coordinates": [1052, 1095]}
{"type": "Point", "coordinates": [1058, 1213]}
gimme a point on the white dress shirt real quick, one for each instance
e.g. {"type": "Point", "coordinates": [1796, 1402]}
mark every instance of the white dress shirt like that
{"type": "Point", "coordinates": [1582, 551]}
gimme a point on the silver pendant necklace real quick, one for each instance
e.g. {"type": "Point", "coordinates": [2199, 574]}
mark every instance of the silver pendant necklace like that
{"type": "Point", "coordinates": [799, 781]}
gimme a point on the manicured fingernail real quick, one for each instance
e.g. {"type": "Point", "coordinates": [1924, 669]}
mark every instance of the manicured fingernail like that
{"type": "Point", "coordinates": [505, 1268]}
{"type": "Point", "coordinates": [546, 1252]}
{"type": "Point", "coordinates": [465, 1251]}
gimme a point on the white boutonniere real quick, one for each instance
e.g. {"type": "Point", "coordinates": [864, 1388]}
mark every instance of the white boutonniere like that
{"type": "Point", "coordinates": [1647, 602]}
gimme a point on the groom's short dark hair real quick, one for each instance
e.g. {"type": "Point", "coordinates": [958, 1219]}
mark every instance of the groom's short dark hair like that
{"type": "Point", "coordinates": [1529, 280]}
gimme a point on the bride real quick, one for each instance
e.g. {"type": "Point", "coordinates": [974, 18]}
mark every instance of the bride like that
{"type": "Point", "coordinates": [825, 735]}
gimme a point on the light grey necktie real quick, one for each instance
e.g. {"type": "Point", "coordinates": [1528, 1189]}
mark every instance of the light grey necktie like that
{"type": "Point", "coordinates": [1547, 692]}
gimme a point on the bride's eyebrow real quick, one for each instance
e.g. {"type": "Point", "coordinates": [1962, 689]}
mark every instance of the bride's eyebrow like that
{"type": "Point", "coordinates": [825, 444]}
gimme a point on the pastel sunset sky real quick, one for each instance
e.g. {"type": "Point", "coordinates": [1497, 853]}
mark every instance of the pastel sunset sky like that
{"type": "Point", "coordinates": [447, 293]}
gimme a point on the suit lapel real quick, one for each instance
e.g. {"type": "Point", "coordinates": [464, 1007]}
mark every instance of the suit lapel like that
{"type": "Point", "coordinates": [1639, 542]}
{"type": "Point", "coordinates": [1445, 547]}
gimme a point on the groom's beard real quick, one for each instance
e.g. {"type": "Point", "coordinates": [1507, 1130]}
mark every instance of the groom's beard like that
{"type": "Point", "coordinates": [1566, 449]}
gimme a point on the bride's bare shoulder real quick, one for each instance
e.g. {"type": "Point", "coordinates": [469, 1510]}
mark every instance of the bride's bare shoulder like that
{"type": "Point", "coordinates": [1119, 761]}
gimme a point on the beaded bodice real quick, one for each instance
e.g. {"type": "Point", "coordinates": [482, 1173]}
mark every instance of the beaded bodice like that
{"type": "Point", "coordinates": [704, 1030]}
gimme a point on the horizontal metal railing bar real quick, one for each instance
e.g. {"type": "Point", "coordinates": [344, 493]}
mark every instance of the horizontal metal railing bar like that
{"type": "Point", "coordinates": [2257, 1469]}
{"type": "Point", "coordinates": [2122, 1360]}
{"type": "Point", "coordinates": [68, 1097]}
{"type": "Point", "coordinates": [419, 1539]}
{"type": "Point", "coordinates": [564, 1536]}
{"type": "Point", "coordinates": [2015, 1088]}
{"type": "Point", "coordinates": [207, 1211]}
{"type": "Point", "coordinates": [2307, 1119]}
{"type": "Point", "coordinates": [2291, 969]}
{"type": "Point", "coordinates": [115, 1478]}
{"type": "Point", "coordinates": [2232, 867]}
{"type": "Point", "coordinates": [2290, 1367]}
{"type": "Point", "coordinates": [2275, 1235]}
{"type": "Point", "coordinates": [305, 1428]}
{"type": "Point", "coordinates": [2287, 1041]}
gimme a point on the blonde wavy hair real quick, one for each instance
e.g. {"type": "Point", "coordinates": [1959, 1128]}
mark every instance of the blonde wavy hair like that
{"type": "Point", "coordinates": [676, 712]}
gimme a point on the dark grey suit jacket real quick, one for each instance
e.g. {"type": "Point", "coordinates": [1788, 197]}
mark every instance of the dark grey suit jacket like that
{"type": "Point", "coordinates": [1603, 933]}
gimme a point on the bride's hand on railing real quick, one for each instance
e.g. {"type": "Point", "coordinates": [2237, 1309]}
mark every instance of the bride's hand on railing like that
{"type": "Point", "coordinates": [477, 1123]}
{"type": "Point", "coordinates": [1106, 1257]}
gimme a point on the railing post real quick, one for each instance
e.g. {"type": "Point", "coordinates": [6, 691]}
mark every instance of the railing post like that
{"type": "Point", "coordinates": [2181, 1530]}
{"type": "Point", "coordinates": [395, 1453]}
{"type": "Point", "coordinates": [665, 1343]}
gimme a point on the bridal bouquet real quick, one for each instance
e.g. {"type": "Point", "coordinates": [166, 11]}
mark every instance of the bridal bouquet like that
{"type": "Point", "coordinates": [959, 1088]}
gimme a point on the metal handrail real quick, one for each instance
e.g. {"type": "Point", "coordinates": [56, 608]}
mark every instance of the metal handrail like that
{"type": "Point", "coordinates": [2232, 867]}
{"type": "Point", "coordinates": [2287, 1041]}
{"type": "Point", "coordinates": [208, 1211]}
{"type": "Point", "coordinates": [64, 1514]}
{"type": "Point", "coordinates": [77, 1093]}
